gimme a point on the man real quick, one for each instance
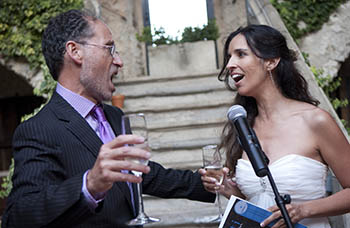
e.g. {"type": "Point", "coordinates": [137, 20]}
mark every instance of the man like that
{"type": "Point", "coordinates": [66, 173]}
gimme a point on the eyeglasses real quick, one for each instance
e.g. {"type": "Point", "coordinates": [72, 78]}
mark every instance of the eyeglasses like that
{"type": "Point", "coordinates": [111, 48]}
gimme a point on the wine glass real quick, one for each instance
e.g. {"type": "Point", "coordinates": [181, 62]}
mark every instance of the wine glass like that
{"type": "Point", "coordinates": [136, 124]}
{"type": "Point", "coordinates": [212, 163]}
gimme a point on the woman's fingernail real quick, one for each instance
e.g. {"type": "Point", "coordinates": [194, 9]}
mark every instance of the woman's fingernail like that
{"type": "Point", "coordinates": [140, 139]}
{"type": "Point", "coordinates": [213, 179]}
{"type": "Point", "coordinates": [262, 224]}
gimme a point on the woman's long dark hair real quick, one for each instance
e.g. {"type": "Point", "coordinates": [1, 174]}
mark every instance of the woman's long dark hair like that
{"type": "Point", "coordinates": [266, 43]}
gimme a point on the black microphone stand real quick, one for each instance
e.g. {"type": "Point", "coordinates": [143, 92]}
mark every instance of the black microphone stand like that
{"type": "Point", "coordinates": [280, 201]}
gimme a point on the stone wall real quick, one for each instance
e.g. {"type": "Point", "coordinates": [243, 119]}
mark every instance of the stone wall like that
{"type": "Point", "coordinates": [182, 59]}
{"type": "Point", "coordinates": [124, 18]}
{"type": "Point", "coordinates": [229, 15]}
{"type": "Point", "coordinates": [12, 85]}
{"type": "Point", "coordinates": [14, 71]}
{"type": "Point", "coordinates": [330, 46]}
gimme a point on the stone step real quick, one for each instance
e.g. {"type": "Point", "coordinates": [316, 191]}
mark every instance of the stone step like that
{"type": "Point", "coordinates": [188, 117]}
{"type": "Point", "coordinates": [165, 86]}
{"type": "Point", "coordinates": [186, 157]}
{"type": "Point", "coordinates": [179, 158]}
{"type": "Point", "coordinates": [180, 102]}
{"type": "Point", "coordinates": [183, 137]}
{"type": "Point", "coordinates": [182, 212]}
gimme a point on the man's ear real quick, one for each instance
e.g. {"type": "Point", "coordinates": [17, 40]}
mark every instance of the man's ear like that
{"type": "Point", "coordinates": [271, 64]}
{"type": "Point", "coordinates": [74, 52]}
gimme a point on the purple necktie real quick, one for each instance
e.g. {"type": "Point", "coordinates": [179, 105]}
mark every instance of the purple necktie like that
{"type": "Point", "coordinates": [103, 125]}
{"type": "Point", "coordinates": [106, 136]}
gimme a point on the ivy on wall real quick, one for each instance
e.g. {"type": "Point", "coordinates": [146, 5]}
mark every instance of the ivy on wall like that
{"type": "Point", "coordinates": [304, 16]}
{"type": "Point", "coordinates": [329, 85]}
{"type": "Point", "coordinates": [21, 26]}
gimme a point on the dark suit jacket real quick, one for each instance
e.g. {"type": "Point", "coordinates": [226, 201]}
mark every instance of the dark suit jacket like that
{"type": "Point", "coordinates": [52, 151]}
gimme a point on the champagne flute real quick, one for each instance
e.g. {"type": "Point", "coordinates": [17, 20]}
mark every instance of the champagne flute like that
{"type": "Point", "coordinates": [212, 163]}
{"type": "Point", "coordinates": [136, 124]}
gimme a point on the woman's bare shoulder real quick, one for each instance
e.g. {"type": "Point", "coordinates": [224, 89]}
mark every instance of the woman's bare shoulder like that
{"type": "Point", "coordinates": [312, 117]}
{"type": "Point", "coordinates": [317, 118]}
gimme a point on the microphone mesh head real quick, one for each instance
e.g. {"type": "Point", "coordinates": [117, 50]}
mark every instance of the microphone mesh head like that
{"type": "Point", "coordinates": [236, 111]}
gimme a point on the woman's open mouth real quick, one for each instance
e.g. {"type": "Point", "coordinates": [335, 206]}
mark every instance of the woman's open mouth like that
{"type": "Point", "coordinates": [237, 77]}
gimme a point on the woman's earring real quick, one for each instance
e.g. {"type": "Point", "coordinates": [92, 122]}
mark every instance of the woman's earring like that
{"type": "Point", "coordinates": [270, 73]}
{"type": "Point", "coordinates": [271, 76]}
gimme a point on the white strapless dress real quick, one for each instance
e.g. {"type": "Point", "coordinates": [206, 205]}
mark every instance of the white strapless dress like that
{"type": "Point", "coordinates": [301, 177]}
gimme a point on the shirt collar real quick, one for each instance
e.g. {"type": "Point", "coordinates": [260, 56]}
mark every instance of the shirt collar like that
{"type": "Point", "coordinates": [81, 104]}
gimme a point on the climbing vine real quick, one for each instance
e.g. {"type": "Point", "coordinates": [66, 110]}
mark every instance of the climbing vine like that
{"type": "Point", "coordinates": [329, 85]}
{"type": "Point", "coordinates": [304, 16]}
{"type": "Point", "coordinates": [21, 27]}
{"type": "Point", "coordinates": [209, 31]}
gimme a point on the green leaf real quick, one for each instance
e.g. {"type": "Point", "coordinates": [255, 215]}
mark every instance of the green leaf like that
{"type": "Point", "coordinates": [21, 26]}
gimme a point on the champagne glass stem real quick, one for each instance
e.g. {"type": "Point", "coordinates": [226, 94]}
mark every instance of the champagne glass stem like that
{"type": "Point", "coordinates": [219, 204]}
{"type": "Point", "coordinates": [139, 194]}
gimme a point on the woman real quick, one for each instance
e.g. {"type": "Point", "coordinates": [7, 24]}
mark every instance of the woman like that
{"type": "Point", "coordinates": [300, 139]}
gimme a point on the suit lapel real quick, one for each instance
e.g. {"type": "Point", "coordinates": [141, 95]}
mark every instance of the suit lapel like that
{"type": "Point", "coordinates": [114, 119]}
{"type": "Point", "coordinates": [76, 124]}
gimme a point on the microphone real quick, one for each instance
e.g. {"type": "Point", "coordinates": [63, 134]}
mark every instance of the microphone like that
{"type": "Point", "coordinates": [248, 140]}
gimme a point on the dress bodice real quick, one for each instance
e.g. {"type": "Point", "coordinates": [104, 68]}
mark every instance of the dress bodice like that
{"type": "Point", "coordinates": [301, 177]}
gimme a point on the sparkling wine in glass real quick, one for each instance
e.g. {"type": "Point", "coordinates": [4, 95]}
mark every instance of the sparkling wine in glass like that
{"type": "Point", "coordinates": [136, 124]}
{"type": "Point", "coordinates": [212, 163]}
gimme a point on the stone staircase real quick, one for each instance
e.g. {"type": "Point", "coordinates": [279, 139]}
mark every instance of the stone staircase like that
{"type": "Point", "coordinates": [183, 114]}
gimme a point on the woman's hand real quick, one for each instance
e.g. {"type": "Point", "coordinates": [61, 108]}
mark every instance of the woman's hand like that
{"type": "Point", "coordinates": [210, 183]}
{"type": "Point", "coordinates": [295, 211]}
{"type": "Point", "coordinates": [227, 188]}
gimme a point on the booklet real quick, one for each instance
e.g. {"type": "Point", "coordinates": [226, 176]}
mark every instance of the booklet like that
{"type": "Point", "coordinates": [240, 213]}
